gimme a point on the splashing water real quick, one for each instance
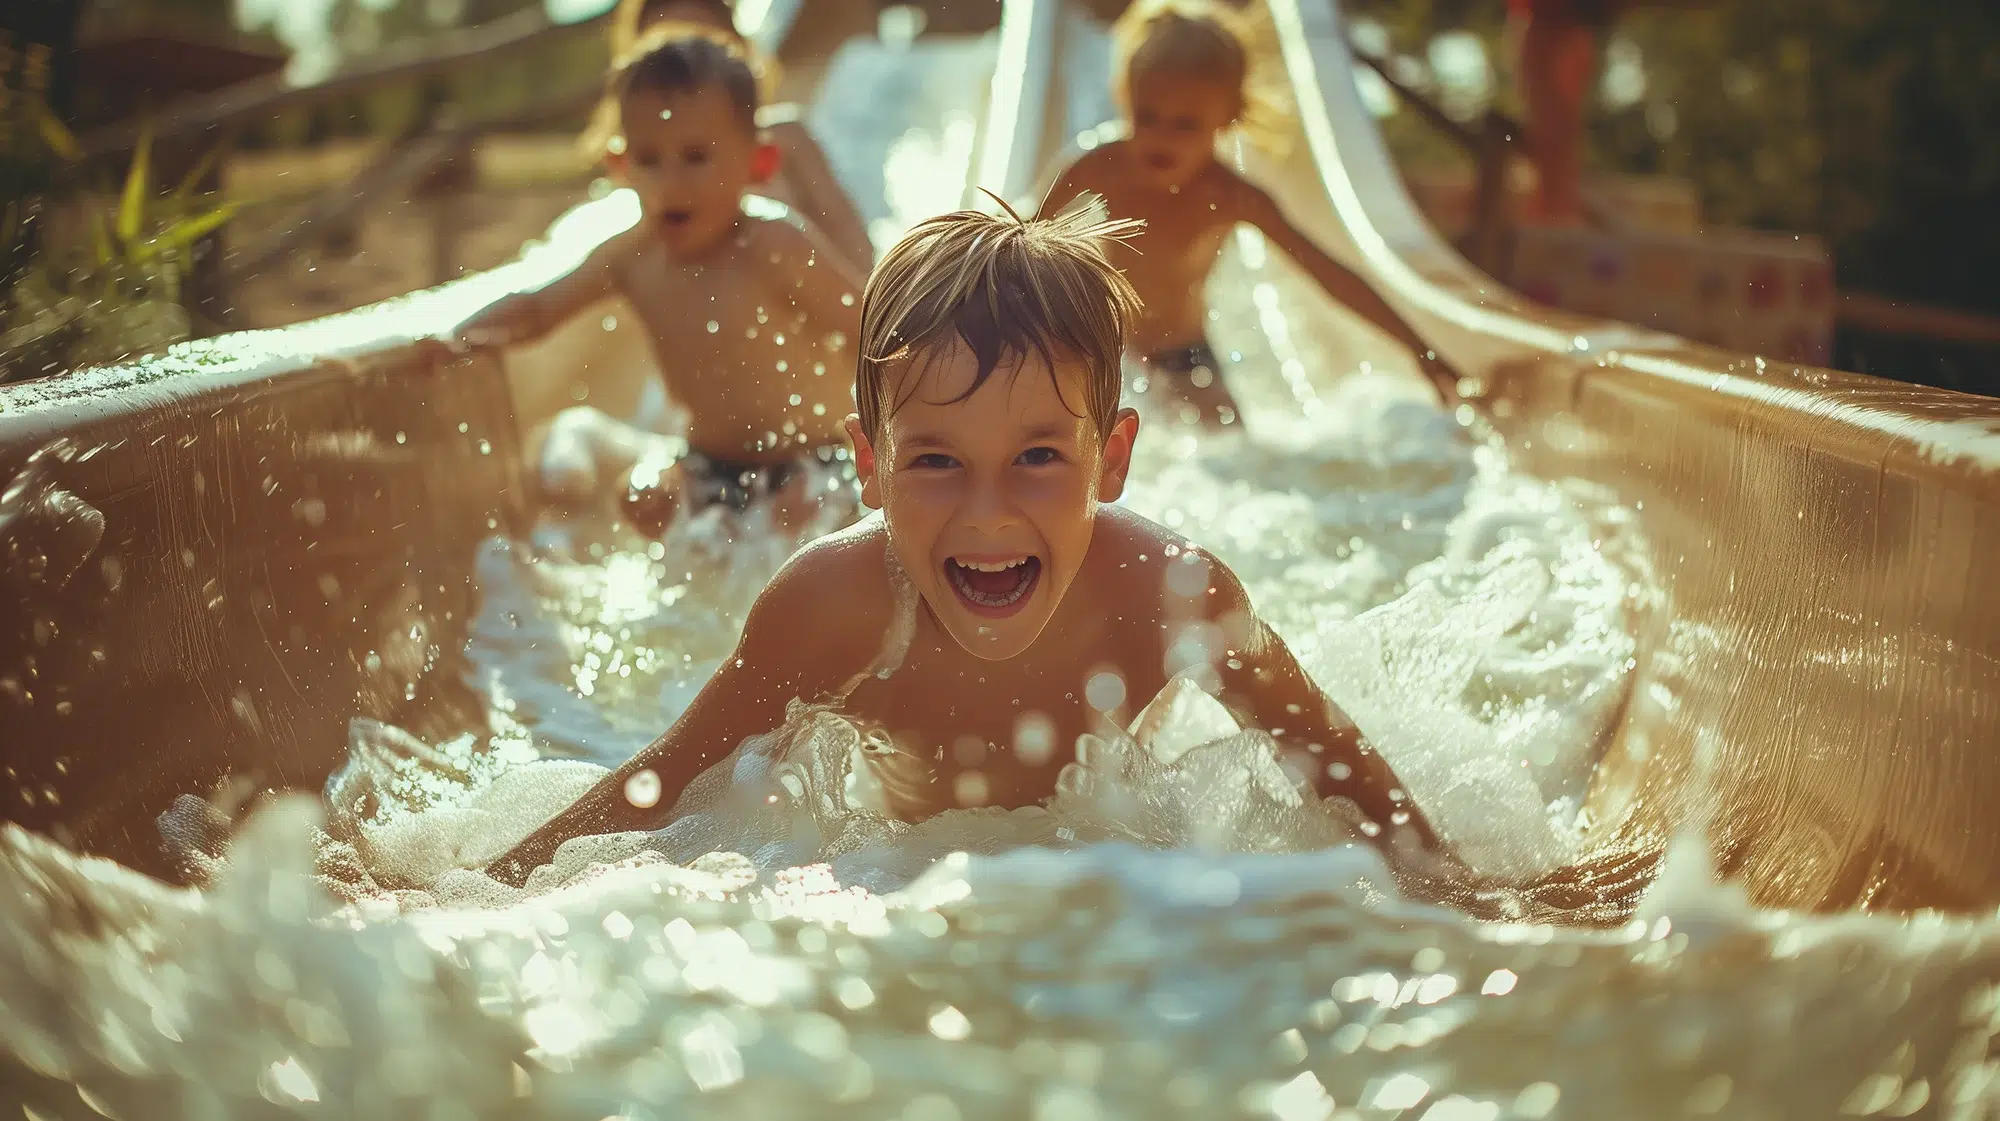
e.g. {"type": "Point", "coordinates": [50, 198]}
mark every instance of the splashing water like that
{"type": "Point", "coordinates": [1175, 935]}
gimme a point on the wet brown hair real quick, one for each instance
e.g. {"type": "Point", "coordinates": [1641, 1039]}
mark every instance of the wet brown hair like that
{"type": "Point", "coordinates": [1008, 288]}
{"type": "Point", "coordinates": [674, 58]}
{"type": "Point", "coordinates": [634, 17]}
{"type": "Point", "coordinates": [632, 36]}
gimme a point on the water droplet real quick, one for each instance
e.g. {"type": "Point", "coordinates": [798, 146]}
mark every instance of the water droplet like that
{"type": "Point", "coordinates": [782, 367]}
{"type": "Point", "coordinates": [948, 1023]}
{"type": "Point", "coordinates": [485, 448]}
{"type": "Point", "coordinates": [796, 399]}
{"type": "Point", "coordinates": [1034, 739]}
{"type": "Point", "coordinates": [609, 323]}
{"type": "Point", "coordinates": [847, 299]}
{"type": "Point", "coordinates": [643, 789]}
{"type": "Point", "coordinates": [750, 333]}
{"type": "Point", "coordinates": [713, 326]}
{"type": "Point", "coordinates": [819, 410]}
{"type": "Point", "coordinates": [1105, 690]}
{"type": "Point", "coordinates": [779, 339]}
{"type": "Point", "coordinates": [464, 427]}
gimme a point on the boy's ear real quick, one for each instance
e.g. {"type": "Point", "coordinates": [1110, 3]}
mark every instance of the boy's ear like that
{"type": "Point", "coordinates": [864, 462]}
{"type": "Point", "coordinates": [1117, 459]}
{"type": "Point", "coordinates": [764, 162]}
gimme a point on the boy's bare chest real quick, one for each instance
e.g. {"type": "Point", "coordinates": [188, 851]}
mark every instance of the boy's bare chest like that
{"type": "Point", "coordinates": [970, 732]}
{"type": "Point", "coordinates": [721, 308]}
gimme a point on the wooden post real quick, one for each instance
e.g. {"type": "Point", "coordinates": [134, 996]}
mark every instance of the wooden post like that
{"type": "Point", "coordinates": [1489, 207]}
{"type": "Point", "coordinates": [444, 191]}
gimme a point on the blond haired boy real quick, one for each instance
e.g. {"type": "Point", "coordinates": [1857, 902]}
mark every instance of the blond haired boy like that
{"type": "Point", "coordinates": [967, 620]}
{"type": "Point", "coordinates": [1183, 78]}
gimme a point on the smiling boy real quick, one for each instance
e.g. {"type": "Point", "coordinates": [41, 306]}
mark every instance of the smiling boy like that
{"type": "Point", "coordinates": [999, 606]}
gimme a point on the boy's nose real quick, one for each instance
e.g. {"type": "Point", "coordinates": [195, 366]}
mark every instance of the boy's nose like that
{"type": "Point", "coordinates": [988, 507]}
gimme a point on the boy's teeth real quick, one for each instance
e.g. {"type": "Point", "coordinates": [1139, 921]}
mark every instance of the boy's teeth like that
{"type": "Point", "coordinates": [992, 566]}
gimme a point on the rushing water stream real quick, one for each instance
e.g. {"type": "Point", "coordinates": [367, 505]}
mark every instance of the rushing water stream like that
{"type": "Point", "coordinates": [1126, 952]}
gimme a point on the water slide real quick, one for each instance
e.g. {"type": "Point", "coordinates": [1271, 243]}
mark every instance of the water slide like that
{"type": "Point", "coordinates": [215, 560]}
{"type": "Point", "coordinates": [1661, 591]}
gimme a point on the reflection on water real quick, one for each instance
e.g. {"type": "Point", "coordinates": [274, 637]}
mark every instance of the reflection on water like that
{"type": "Point", "coordinates": [1139, 949]}
{"type": "Point", "coordinates": [1468, 616]}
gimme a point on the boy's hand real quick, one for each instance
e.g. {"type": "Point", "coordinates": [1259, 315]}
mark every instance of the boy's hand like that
{"type": "Point", "coordinates": [1443, 376]}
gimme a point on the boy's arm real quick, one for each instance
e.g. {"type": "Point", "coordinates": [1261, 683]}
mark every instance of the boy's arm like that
{"type": "Point", "coordinates": [1258, 209]}
{"type": "Point", "coordinates": [776, 660]}
{"type": "Point", "coordinates": [824, 201]}
{"type": "Point", "coordinates": [523, 317]}
{"type": "Point", "coordinates": [1262, 680]}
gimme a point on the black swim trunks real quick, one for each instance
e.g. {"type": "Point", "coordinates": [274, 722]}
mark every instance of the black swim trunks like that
{"type": "Point", "coordinates": [709, 481]}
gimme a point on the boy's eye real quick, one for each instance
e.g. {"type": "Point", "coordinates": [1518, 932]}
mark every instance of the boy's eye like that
{"type": "Point", "coordinates": [1038, 457]}
{"type": "Point", "coordinates": [933, 461]}
{"type": "Point", "coordinates": [695, 157]}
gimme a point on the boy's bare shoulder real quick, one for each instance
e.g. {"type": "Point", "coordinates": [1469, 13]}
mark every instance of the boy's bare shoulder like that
{"type": "Point", "coordinates": [832, 597]}
{"type": "Point", "coordinates": [1125, 542]}
{"type": "Point", "coordinates": [1097, 165]}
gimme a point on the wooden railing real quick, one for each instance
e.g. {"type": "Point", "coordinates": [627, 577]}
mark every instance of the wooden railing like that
{"type": "Point", "coordinates": [1497, 139]}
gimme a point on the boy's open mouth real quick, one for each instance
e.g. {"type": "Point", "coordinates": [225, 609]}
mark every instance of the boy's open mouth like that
{"type": "Point", "coordinates": [995, 588]}
{"type": "Point", "coordinates": [675, 219]}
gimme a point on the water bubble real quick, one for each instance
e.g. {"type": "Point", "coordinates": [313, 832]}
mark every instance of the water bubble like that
{"type": "Point", "coordinates": [713, 326]}
{"type": "Point", "coordinates": [1536, 1099]}
{"type": "Point", "coordinates": [1302, 1099]}
{"type": "Point", "coordinates": [609, 323]}
{"type": "Point", "coordinates": [819, 410]}
{"type": "Point", "coordinates": [948, 1023]}
{"type": "Point", "coordinates": [763, 316]}
{"type": "Point", "coordinates": [750, 333]}
{"type": "Point", "coordinates": [795, 399]}
{"type": "Point", "coordinates": [1401, 1091]}
{"type": "Point", "coordinates": [1105, 690]}
{"type": "Point", "coordinates": [847, 299]}
{"type": "Point", "coordinates": [778, 339]}
{"type": "Point", "coordinates": [463, 427]}
{"type": "Point", "coordinates": [782, 367]}
{"type": "Point", "coordinates": [287, 1081]}
{"type": "Point", "coordinates": [1034, 738]}
{"type": "Point", "coordinates": [1500, 982]}
{"type": "Point", "coordinates": [643, 789]}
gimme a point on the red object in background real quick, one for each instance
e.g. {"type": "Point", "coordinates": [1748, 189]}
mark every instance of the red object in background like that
{"type": "Point", "coordinates": [1557, 64]}
{"type": "Point", "coordinates": [1816, 285]}
{"type": "Point", "coordinates": [1762, 286]}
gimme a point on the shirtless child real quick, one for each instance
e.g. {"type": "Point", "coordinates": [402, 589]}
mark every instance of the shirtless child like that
{"type": "Point", "coordinates": [1182, 78]}
{"type": "Point", "coordinates": [804, 180]}
{"type": "Point", "coordinates": [990, 438]}
{"type": "Point", "coordinates": [748, 312]}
